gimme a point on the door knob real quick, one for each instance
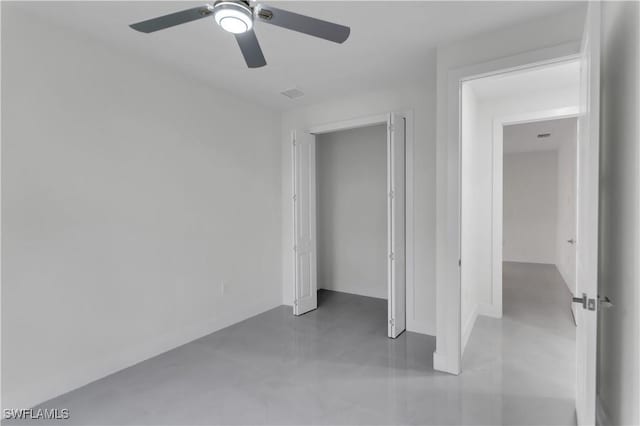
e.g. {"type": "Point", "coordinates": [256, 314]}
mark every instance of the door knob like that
{"type": "Point", "coordinates": [586, 302]}
{"type": "Point", "coordinates": [571, 241]}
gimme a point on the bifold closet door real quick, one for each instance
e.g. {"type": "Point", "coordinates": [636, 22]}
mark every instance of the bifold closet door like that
{"type": "Point", "coordinates": [396, 224]}
{"type": "Point", "coordinates": [304, 217]}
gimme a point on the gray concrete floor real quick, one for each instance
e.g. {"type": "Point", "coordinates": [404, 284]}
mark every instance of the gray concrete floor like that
{"type": "Point", "coordinates": [336, 366]}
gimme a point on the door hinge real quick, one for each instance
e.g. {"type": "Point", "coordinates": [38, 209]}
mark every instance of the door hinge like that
{"type": "Point", "coordinates": [391, 194]}
{"type": "Point", "coordinates": [294, 197]}
{"type": "Point", "coordinates": [391, 127]}
{"type": "Point", "coordinates": [391, 256]}
{"type": "Point", "coordinates": [392, 322]}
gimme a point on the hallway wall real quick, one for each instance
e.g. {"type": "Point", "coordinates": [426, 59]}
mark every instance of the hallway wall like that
{"type": "Point", "coordinates": [567, 207]}
{"type": "Point", "coordinates": [533, 232]}
{"type": "Point", "coordinates": [475, 213]}
{"type": "Point", "coordinates": [530, 200]}
{"type": "Point", "coordinates": [351, 222]}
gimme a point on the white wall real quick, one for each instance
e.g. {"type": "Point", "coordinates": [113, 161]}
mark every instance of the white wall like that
{"type": "Point", "coordinates": [129, 195]}
{"type": "Point", "coordinates": [352, 211]}
{"type": "Point", "coordinates": [475, 212]}
{"type": "Point", "coordinates": [619, 271]}
{"type": "Point", "coordinates": [421, 100]}
{"type": "Point", "coordinates": [530, 206]}
{"type": "Point", "coordinates": [567, 202]}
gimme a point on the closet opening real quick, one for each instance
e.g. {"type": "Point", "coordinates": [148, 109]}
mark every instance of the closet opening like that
{"type": "Point", "coordinates": [349, 219]}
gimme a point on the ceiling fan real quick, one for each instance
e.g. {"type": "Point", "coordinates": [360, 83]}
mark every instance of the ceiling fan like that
{"type": "Point", "coordinates": [238, 17]}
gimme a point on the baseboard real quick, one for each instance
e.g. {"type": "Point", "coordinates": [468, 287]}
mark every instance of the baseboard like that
{"type": "Point", "coordinates": [384, 297]}
{"type": "Point", "coordinates": [489, 310]}
{"type": "Point", "coordinates": [440, 363]}
{"type": "Point", "coordinates": [601, 415]}
{"type": "Point", "coordinates": [84, 374]}
{"type": "Point", "coordinates": [420, 327]}
{"type": "Point", "coordinates": [529, 262]}
{"type": "Point", "coordinates": [468, 327]}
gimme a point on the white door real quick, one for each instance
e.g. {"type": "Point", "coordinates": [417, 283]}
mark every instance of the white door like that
{"type": "Point", "coordinates": [304, 220]}
{"type": "Point", "coordinates": [587, 218]}
{"type": "Point", "coordinates": [396, 224]}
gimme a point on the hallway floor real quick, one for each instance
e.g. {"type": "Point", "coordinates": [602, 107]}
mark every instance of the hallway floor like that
{"type": "Point", "coordinates": [524, 363]}
{"type": "Point", "coordinates": [335, 365]}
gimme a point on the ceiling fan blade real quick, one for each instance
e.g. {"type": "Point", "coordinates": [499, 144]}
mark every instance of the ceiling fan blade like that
{"type": "Point", "coordinates": [304, 24]}
{"type": "Point", "coordinates": [173, 19]}
{"type": "Point", "coordinates": [251, 50]}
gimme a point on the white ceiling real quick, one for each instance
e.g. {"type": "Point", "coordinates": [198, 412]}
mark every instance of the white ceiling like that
{"type": "Point", "coordinates": [523, 137]}
{"type": "Point", "coordinates": [391, 42]}
{"type": "Point", "coordinates": [564, 76]}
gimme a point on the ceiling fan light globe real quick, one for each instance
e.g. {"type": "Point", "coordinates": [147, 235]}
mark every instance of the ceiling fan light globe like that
{"type": "Point", "coordinates": [234, 25]}
{"type": "Point", "coordinates": [233, 17]}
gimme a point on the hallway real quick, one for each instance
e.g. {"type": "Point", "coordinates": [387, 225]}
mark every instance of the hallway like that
{"type": "Point", "coordinates": [528, 356]}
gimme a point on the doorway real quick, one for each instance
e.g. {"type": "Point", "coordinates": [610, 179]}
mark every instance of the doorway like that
{"type": "Point", "coordinates": [492, 106]}
{"type": "Point", "coordinates": [539, 199]}
{"type": "Point", "coordinates": [534, 335]}
{"type": "Point", "coordinates": [305, 212]}
{"type": "Point", "coordinates": [352, 211]}
{"type": "Point", "coordinates": [450, 332]}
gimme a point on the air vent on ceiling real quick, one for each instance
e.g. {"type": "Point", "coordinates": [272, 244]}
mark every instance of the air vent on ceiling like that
{"type": "Point", "coordinates": [293, 93]}
{"type": "Point", "coordinates": [543, 135]}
